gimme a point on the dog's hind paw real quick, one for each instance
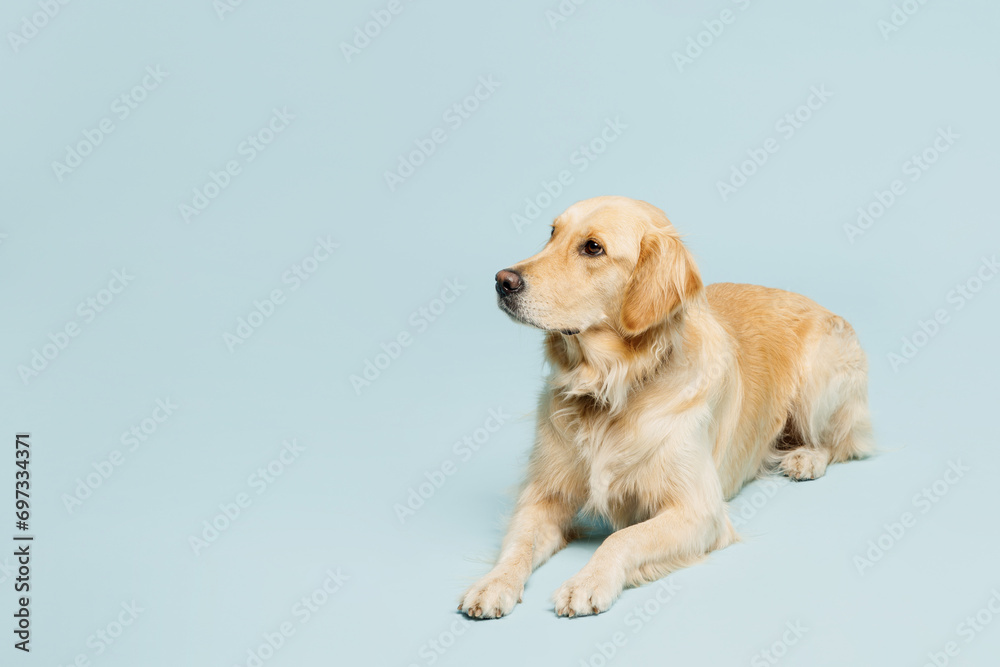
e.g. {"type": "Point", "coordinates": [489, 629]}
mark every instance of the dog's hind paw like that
{"type": "Point", "coordinates": [805, 463]}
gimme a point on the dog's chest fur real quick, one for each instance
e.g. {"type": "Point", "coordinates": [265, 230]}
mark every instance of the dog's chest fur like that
{"type": "Point", "coordinates": [622, 466]}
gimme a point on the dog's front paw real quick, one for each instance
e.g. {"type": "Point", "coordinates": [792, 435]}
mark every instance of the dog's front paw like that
{"type": "Point", "coordinates": [492, 596]}
{"type": "Point", "coordinates": [586, 593]}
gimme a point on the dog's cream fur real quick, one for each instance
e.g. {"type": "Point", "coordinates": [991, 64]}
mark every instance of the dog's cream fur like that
{"type": "Point", "coordinates": [665, 398]}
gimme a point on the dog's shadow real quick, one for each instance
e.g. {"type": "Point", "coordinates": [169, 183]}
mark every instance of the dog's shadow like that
{"type": "Point", "coordinates": [589, 531]}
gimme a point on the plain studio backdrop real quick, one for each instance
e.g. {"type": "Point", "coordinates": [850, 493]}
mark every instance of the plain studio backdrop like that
{"type": "Point", "coordinates": [247, 254]}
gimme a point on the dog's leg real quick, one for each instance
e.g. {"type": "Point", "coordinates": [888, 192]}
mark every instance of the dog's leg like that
{"type": "Point", "coordinates": [850, 429]}
{"type": "Point", "coordinates": [679, 535]}
{"type": "Point", "coordinates": [537, 530]}
{"type": "Point", "coordinates": [673, 539]}
{"type": "Point", "coordinates": [831, 414]}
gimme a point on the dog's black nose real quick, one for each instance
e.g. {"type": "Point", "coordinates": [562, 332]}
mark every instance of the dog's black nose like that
{"type": "Point", "coordinates": [509, 282]}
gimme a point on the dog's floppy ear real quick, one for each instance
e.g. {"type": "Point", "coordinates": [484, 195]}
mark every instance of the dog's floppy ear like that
{"type": "Point", "coordinates": [664, 279]}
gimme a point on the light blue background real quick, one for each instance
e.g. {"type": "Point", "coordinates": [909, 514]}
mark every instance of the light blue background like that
{"type": "Point", "coordinates": [162, 337]}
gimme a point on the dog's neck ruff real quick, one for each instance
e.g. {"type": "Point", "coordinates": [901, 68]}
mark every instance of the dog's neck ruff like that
{"type": "Point", "coordinates": [605, 366]}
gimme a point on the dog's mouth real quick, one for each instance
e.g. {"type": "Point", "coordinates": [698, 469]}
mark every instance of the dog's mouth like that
{"type": "Point", "coordinates": [514, 313]}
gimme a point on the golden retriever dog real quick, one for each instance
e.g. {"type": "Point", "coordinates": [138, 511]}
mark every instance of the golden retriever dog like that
{"type": "Point", "coordinates": [665, 397]}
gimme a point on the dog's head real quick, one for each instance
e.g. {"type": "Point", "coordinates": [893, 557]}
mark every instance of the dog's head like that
{"type": "Point", "coordinates": [610, 262]}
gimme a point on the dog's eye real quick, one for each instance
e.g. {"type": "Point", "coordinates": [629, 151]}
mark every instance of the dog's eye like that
{"type": "Point", "coordinates": [592, 248]}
